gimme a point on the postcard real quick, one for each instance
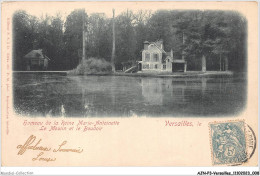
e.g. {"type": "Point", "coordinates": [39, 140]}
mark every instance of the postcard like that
{"type": "Point", "coordinates": [129, 84]}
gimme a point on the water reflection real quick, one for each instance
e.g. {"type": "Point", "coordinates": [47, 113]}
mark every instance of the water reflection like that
{"type": "Point", "coordinates": [158, 91]}
{"type": "Point", "coordinates": [97, 96]}
{"type": "Point", "coordinates": [152, 91]}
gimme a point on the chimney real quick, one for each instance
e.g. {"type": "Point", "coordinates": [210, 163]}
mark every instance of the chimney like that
{"type": "Point", "coordinates": [159, 43]}
{"type": "Point", "coordinates": [146, 44]}
{"type": "Point", "coordinates": [171, 53]}
{"type": "Point", "coordinates": [162, 46]}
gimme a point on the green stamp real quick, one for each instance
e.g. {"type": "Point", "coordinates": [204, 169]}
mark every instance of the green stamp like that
{"type": "Point", "coordinates": [228, 143]}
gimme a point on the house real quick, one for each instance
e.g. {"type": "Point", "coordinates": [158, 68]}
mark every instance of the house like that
{"type": "Point", "coordinates": [36, 60]}
{"type": "Point", "coordinates": [154, 58]}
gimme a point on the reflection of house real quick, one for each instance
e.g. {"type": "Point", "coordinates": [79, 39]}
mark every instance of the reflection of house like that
{"type": "Point", "coordinates": [152, 90]}
{"type": "Point", "coordinates": [174, 91]}
{"type": "Point", "coordinates": [154, 58]}
{"type": "Point", "coordinates": [157, 91]}
{"type": "Point", "coordinates": [36, 60]}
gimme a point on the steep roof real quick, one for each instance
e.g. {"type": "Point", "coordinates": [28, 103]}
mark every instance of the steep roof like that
{"type": "Point", "coordinates": [34, 54]}
{"type": "Point", "coordinates": [165, 56]}
{"type": "Point", "coordinates": [158, 46]}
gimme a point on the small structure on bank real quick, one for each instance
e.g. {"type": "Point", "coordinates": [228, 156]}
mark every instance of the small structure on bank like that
{"type": "Point", "coordinates": [126, 65]}
{"type": "Point", "coordinates": [36, 60]}
{"type": "Point", "coordinates": [154, 58]}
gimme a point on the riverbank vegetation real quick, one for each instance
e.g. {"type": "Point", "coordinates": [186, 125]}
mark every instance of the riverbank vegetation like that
{"type": "Point", "coordinates": [92, 66]}
{"type": "Point", "coordinates": [212, 35]}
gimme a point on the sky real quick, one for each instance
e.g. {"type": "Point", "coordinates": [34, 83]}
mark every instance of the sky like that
{"type": "Point", "coordinates": [39, 9]}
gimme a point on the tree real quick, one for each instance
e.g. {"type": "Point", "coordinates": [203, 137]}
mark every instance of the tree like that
{"type": "Point", "coordinates": [73, 38]}
{"type": "Point", "coordinates": [114, 44]}
{"type": "Point", "coordinates": [215, 39]}
{"type": "Point", "coordinates": [159, 27]}
{"type": "Point", "coordinates": [197, 42]}
{"type": "Point", "coordinates": [56, 53]}
{"type": "Point", "coordinates": [140, 21]}
{"type": "Point", "coordinates": [126, 38]}
{"type": "Point", "coordinates": [201, 34]}
{"type": "Point", "coordinates": [50, 39]}
{"type": "Point", "coordinates": [25, 31]}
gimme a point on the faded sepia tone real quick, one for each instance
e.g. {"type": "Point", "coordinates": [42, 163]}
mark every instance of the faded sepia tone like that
{"type": "Point", "coordinates": [168, 117]}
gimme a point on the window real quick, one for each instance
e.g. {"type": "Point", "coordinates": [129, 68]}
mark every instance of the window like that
{"type": "Point", "coordinates": [156, 66]}
{"type": "Point", "coordinates": [155, 57]}
{"type": "Point", "coordinates": [147, 57]}
{"type": "Point", "coordinates": [164, 67]}
{"type": "Point", "coordinates": [145, 66]}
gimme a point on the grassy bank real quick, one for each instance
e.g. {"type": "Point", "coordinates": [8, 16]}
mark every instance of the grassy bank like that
{"type": "Point", "coordinates": [192, 74]}
{"type": "Point", "coordinates": [100, 67]}
{"type": "Point", "coordinates": [188, 74]}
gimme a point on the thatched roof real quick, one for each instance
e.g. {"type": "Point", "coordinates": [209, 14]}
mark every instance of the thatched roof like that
{"type": "Point", "coordinates": [34, 54]}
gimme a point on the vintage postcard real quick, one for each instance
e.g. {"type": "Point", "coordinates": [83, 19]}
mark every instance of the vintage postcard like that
{"type": "Point", "coordinates": [129, 84]}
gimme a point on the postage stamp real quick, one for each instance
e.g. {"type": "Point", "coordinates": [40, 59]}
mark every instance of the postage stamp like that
{"type": "Point", "coordinates": [228, 143]}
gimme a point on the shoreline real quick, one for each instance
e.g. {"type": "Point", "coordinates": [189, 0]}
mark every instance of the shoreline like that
{"type": "Point", "coordinates": [188, 74]}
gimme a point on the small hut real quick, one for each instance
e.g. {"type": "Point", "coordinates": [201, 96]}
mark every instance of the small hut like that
{"type": "Point", "coordinates": [36, 60]}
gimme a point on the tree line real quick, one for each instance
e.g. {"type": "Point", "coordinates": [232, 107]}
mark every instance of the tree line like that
{"type": "Point", "coordinates": [213, 37]}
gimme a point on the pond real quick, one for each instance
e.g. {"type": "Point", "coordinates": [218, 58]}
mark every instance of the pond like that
{"type": "Point", "coordinates": [56, 95]}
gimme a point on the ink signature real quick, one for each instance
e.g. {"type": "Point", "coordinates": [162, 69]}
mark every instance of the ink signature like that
{"type": "Point", "coordinates": [34, 144]}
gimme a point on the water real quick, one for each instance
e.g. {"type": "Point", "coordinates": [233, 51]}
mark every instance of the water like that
{"type": "Point", "coordinates": [121, 96]}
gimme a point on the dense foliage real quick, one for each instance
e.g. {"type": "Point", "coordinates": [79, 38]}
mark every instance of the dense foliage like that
{"type": "Point", "coordinates": [193, 35]}
{"type": "Point", "coordinates": [92, 66]}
